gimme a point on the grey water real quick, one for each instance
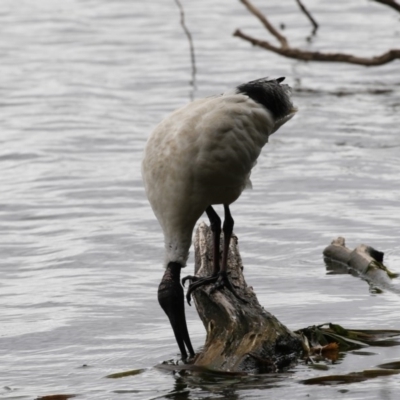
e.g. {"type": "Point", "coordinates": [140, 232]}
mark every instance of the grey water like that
{"type": "Point", "coordinates": [82, 85]}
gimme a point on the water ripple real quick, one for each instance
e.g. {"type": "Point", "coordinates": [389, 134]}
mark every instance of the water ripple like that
{"type": "Point", "coordinates": [82, 85]}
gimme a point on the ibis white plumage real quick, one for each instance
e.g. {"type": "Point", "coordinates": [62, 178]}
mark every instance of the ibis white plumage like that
{"type": "Point", "coordinates": [201, 155]}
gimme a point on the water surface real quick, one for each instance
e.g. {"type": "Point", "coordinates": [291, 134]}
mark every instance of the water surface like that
{"type": "Point", "coordinates": [82, 85]}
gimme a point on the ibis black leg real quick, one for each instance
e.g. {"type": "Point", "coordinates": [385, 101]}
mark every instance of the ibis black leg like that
{"type": "Point", "coordinates": [215, 225]}
{"type": "Point", "coordinates": [223, 280]}
{"type": "Point", "coordinates": [171, 299]}
{"type": "Point", "coordinates": [228, 229]}
{"type": "Point", "coordinates": [219, 276]}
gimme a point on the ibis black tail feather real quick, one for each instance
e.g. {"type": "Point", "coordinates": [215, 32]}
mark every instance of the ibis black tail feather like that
{"type": "Point", "coordinates": [271, 94]}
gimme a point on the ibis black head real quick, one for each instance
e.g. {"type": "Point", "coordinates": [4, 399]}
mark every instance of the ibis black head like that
{"type": "Point", "coordinates": [269, 93]}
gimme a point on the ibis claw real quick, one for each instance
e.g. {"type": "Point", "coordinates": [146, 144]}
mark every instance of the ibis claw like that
{"type": "Point", "coordinates": [223, 281]}
{"type": "Point", "coordinates": [190, 278]}
{"type": "Point", "coordinates": [219, 280]}
{"type": "Point", "coordinates": [198, 282]}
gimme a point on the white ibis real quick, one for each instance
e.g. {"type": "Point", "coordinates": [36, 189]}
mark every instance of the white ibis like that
{"type": "Point", "coordinates": [201, 155]}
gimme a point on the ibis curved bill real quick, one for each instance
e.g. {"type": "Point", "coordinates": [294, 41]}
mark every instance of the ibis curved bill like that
{"type": "Point", "coordinates": [201, 155]}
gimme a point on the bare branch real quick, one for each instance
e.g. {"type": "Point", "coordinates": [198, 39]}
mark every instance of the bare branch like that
{"type": "Point", "coordinates": [191, 46]}
{"type": "Point", "coordinates": [299, 54]}
{"type": "Point", "coordinates": [390, 3]}
{"type": "Point", "coordinates": [257, 13]}
{"type": "Point", "coordinates": [309, 16]}
{"type": "Point", "coordinates": [318, 56]}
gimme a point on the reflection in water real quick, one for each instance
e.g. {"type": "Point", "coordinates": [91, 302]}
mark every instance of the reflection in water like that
{"type": "Point", "coordinates": [83, 85]}
{"type": "Point", "coordinates": [377, 280]}
{"type": "Point", "coordinates": [214, 386]}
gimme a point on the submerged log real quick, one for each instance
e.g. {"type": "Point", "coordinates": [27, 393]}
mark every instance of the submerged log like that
{"type": "Point", "coordinates": [365, 261]}
{"type": "Point", "coordinates": [241, 336]}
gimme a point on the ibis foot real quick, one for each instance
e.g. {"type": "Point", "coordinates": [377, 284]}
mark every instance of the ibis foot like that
{"type": "Point", "coordinates": [220, 280]}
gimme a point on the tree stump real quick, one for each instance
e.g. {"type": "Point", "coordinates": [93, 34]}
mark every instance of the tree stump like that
{"type": "Point", "coordinates": [241, 336]}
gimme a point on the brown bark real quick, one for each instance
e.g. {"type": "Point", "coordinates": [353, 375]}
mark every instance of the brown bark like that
{"type": "Point", "coordinates": [309, 16]}
{"type": "Point", "coordinates": [241, 336]}
{"type": "Point", "coordinates": [364, 260]}
{"type": "Point", "coordinates": [287, 51]}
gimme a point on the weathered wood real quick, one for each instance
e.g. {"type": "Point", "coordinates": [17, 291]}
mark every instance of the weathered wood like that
{"type": "Point", "coordinates": [364, 260]}
{"type": "Point", "coordinates": [299, 54]}
{"type": "Point", "coordinates": [241, 336]}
